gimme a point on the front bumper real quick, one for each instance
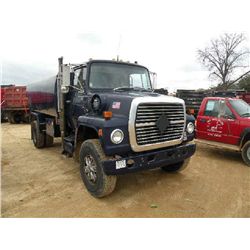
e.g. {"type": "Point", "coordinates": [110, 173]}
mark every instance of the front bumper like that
{"type": "Point", "coordinates": [150, 160]}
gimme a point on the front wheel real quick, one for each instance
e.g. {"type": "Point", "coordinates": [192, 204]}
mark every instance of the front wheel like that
{"type": "Point", "coordinates": [245, 153]}
{"type": "Point", "coordinates": [96, 181]}
{"type": "Point", "coordinates": [179, 166]}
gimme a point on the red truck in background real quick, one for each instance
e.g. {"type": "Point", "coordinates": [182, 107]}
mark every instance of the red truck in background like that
{"type": "Point", "coordinates": [225, 122]}
{"type": "Point", "coordinates": [193, 98]}
{"type": "Point", "coordinates": [14, 104]}
{"type": "Point", "coordinates": [2, 101]}
{"type": "Point", "coordinates": [245, 97]}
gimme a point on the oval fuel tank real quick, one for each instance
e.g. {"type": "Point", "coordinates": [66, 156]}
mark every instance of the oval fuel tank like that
{"type": "Point", "coordinates": [42, 96]}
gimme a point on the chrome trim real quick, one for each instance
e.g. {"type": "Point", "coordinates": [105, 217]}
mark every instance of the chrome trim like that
{"type": "Point", "coordinates": [146, 123]}
{"type": "Point", "coordinates": [117, 130]}
{"type": "Point", "coordinates": [132, 117]}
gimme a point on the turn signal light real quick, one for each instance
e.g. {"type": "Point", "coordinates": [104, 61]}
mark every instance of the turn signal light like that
{"type": "Point", "coordinates": [107, 114]}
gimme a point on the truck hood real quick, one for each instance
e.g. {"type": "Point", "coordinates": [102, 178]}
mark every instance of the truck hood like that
{"type": "Point", "coordinates": [119, 102]}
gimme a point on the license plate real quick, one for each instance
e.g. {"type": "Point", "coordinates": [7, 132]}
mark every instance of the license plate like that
{"type": "Point", "coordinates": [120, 164]}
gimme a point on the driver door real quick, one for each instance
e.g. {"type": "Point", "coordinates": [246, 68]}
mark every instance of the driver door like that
{"type": "Point", "coordinates": [76, 106]}
{"type": "Point", "coordinates": [211, 126]}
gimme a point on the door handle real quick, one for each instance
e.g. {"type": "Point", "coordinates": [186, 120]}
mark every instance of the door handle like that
{"type": "Point", "coordinates": [203, 120]}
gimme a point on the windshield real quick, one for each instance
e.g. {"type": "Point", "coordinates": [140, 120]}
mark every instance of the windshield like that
{"type": "Point", "coordinates": [118, 76]}
{"type": "Point", "coordinates": [241, 107]}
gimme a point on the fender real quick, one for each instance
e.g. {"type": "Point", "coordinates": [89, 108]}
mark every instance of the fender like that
{"type": "Point", "coordinates": [96, 123]}
{"type": "Point", "coordinates": [244, 135]}
{"type": "Point", "coordinates": [190, 118]}
{"type": "Point", "coordinates": [91, 121]}
{"type": "Point", "coordinates": [40, 118]}
{"type": "Point", "coordinates": [37, 116]}
{"type": "Point", "coordinates": [88, 122]}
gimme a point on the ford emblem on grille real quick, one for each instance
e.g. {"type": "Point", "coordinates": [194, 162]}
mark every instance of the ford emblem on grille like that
{"type": "Point", "coordinates": [162, 123]}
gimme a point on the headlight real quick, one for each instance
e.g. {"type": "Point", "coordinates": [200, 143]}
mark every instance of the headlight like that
{"type": "Point", "coordinates": [190, 128]}
{"type": "Point", "coordinates": [117, 136]}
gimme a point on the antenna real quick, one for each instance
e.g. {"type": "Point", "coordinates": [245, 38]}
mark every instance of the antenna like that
{"type": "Point", "coordinates": [118, 48]}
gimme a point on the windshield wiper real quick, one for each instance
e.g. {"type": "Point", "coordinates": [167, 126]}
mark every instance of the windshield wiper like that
{"type": "Point", "coordinates": [245, 115]}
{"type": "Point", "coordinates": [142, 89]}
{"type": "Point", "coordinates": [131, 88]}
{"type": "Point", "coordinates": [122, 89]}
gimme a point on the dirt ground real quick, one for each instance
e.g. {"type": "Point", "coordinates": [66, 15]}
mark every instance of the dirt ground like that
{"type": "Point", "coordinates": [44, 183]}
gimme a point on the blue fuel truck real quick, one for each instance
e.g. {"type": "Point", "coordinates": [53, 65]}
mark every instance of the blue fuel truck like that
{"type": "Point", "coordinates": [111, 121]}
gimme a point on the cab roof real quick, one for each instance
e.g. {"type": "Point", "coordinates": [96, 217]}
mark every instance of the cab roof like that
{"type": "Point", "coordinates": [114, 61]}
{"type": "Point", "coordinates": [108, 61]}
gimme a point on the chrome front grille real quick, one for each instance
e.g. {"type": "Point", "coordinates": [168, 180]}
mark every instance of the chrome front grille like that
{"type": "Point", "coordinates": [146, 129]}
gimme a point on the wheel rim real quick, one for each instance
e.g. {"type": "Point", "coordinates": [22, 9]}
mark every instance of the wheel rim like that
{"type": "Point", "coordinates": [90, 169]}
{"type": "Point", "coordinates": [248, 153]}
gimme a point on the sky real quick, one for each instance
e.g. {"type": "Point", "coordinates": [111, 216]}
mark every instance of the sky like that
{"type": "Point", "coordinates": [164, 36]}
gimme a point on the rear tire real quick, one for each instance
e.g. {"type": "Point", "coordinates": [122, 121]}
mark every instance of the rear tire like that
{"type": "Point", "coordinates": [11, 118]}
{"type": "Point", "coordinates": [14, 118]}
{"type": "Point", "coordinates": [3, 118]}
{"type": "Point", "coordinates": [245, 153]}
{"type": "Point", "coordinates": [37, 136]}
{"type": "Point", "coordinates": [96, 181]}
{"type": "Point", "coordinates": [177, 167]}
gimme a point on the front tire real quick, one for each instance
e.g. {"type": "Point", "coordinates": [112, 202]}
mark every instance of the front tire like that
{"type": "Point", "coordinates": [177, 167]}
{"type": "Point", "coordinates": [245, 153]}
{"type": "Point", "coordinates": [96, 181]}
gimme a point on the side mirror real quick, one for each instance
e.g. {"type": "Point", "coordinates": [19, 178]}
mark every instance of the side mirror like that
{"type": "Point", "coordinates": [65, 75]}
{"type": "Point", "coordinates": [232, 117]}
{"type": "Point", "coordinates": [153, 78]}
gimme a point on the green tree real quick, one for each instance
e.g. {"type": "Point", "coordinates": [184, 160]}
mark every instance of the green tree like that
{"type": "Point", "coordinates": [244, 83]}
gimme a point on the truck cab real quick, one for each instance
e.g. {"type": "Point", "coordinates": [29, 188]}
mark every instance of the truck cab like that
{"type": "Point", "coordinates": [111, 121]}
{"type": "Point", "coordinates": [225, 122]}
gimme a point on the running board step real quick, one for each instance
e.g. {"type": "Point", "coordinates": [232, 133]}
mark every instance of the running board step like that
{"type": "Point", "coordinates": [68, 145]}
{"type": "Point", "coordinates": [219, 144]}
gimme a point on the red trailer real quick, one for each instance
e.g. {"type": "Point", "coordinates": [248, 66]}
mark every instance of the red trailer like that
{"type": "Point", "coordinates": [14, 104]}
{"type": "Point", "coordinates": [2, 103]}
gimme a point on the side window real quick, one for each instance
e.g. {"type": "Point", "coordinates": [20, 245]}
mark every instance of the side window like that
{"type": "Point", "coordinates": [212, 108]}
{"type": "Point", "coordinates": [228, 113]}
{"type": "Point", "coordinates": [80, 77]}
{"type": "Point", "coordinates": [225, 112]}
